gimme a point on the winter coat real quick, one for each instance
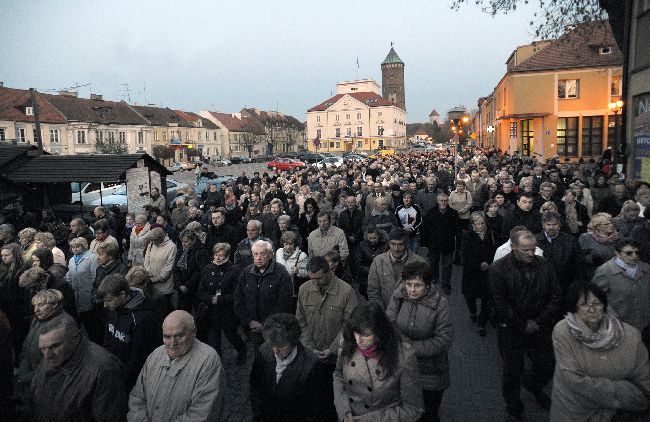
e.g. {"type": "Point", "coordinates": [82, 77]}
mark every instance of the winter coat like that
{"type": "Point", "coordinates": [306, 227]}
{"type": "Point", "coordinates": [219, 277]}
{"type": "Point", "coordinates": [260, 295]}
{"type": "Point", "coordinates": [384, 221]}
{"type": "Point", "coordinates": [564, 253]}
{"type": "Point", "coordinates": [591, 385]}
{"type": "Point", "coordinates": [80, 276]}
{"type": "Point", "coordinates": [198, 256]}
{"type": "Point", "coordinates": [385, 275]}
{"type": "Point", "coordinates": [461, 202]}
{"type": "Point", "coordinates": [366, 253]}
{"type": "Point", "coordinates": [427, 199]}
{"type": "Point", "coordinates": [593, 255]}
{"type": "Point", "coordinates": [221, 234]}
{"type": "Point", "coordinates": [409, 218]}
{"type": "Point", "coordinates": [628, 298]}
{"type": "Point", "coordinates": [179, 217]}
{"type": "Point", "coordinates": [132, 333]}
{"type": "Point", "coordinates": [641, 234]}
{"type": "Point", "coordinates": [87, 387]}
{"type": "Point", "coordinates": [137, 244]}
{"type": "Point", "coordinates": [475, 251]}
{"type": "Point", "coordinates": [320, 244]}
{"type": "Point", "coordinates": [362, 388]}
{"type": "Point", "coordinates": [351, 223]}
{"type": "Point", "coordinates": [439, 229]}
{"type": "Point", "coordinates": [425, 323]}
{"type": "Point", "coordinates": [58, 283]}
{"type": "Point", "coordinates": [517, 299]}
{"type": "Point", "coordinates": [191, 388]}
{"type": "Point", "coordinates": [244, 252]}
{"type": "Point", "coordinates": [298, 260]}
{"type": "Point", "coordinates": [532, 220]}
{"type": "Point", "coordinates": [113, 267]}
{"type": "Point", "coordinates": [159, 261]}
{"type": "Point", "coordinates": [321, 316]}
{"type": "Point", "coordinates": [292, 398]}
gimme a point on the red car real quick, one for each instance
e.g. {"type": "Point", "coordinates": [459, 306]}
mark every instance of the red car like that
{"type": "Point", "coordinates": [284, 164]}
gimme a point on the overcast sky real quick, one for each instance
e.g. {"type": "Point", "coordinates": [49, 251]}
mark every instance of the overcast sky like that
{"type": "Point", "coordinates": [225, 55]}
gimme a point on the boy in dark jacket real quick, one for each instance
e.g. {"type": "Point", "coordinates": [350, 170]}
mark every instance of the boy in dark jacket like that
{"type": "Point", "coordinates": [131, 325]}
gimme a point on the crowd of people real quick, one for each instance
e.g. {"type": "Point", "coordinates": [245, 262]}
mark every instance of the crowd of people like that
{"type": "Point", "coordinates": [336, 284]}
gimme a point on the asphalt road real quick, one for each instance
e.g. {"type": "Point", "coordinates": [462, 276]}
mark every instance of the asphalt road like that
{"type": "Point", "coordinates": [189, 176]}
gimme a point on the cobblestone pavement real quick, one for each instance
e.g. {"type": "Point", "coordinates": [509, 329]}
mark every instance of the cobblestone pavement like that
{"type": "Point", "coordinates": [475, 391]}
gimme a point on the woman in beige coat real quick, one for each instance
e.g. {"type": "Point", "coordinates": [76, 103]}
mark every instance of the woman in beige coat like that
{"type": "Point", "coordinates": [421, 314]}
{"type": "Point", "coordinates": [376, 377]}
{"type": "Point", "coordinates": [138, 240]}
{"type": "Point", "coordinates": [601, 369]}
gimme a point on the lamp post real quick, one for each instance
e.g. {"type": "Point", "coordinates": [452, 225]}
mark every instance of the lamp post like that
{"type": "Point", "coordinates": [615, 107]}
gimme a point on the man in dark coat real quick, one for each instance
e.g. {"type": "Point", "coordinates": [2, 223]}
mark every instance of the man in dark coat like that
{"type": "Point", "coordinates": [439, 230]}
{"type": "Point", "coordinates": [375, 243]}
{"type": "Point", "coordinates": [274, 193]}
{"type": "Point", "coordinates": [190, 259]}
{"type": "Point", "coordinates": [560, 248]}
{"type": "Point", "coordinates": [131, 325]}
{"type": "Point", "coordinates": [78, 228]}
{"type": "Point", "coordinates": [350, 220]}
{"type": "Point", "coordinates": [522, 215]}
{"type": "Point", "coordinates": [526, 298]}
{"type": "Point", "coordinates": [77, 380]}
{"type": "Point", "coordinates": [264, 288]}
{"type": "Point", "coordinates": [219, 231]}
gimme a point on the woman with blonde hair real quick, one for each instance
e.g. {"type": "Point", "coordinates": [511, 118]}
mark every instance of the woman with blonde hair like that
{"type": "Point", "coordinates": [597, 244]}
{"type": "Point", "coordinates": [46, 240]}
{"type": "Point", "coordinates": [628, 218]}
{"type": "Point", "coordinates": [26, 240]}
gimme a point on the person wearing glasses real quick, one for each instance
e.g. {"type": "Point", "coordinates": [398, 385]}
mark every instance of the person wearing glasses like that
{"type": "Point", "coordinates": [626, 282]}
{"type": "Point", "coordinates": [601, 370]}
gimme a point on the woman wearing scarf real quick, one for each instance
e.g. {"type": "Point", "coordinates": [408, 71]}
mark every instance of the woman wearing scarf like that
{"type": "Point", "coordinates": [601, 369]}
{"type": "Point", "coordinates": [293, 260]}
{"type": "Point", "coordinates": [377, 376]}
{"type": "Point", "coordinates": [627, 220]}
{"type": "Point", "coordinates": [576, 216]}
{"type": "Point", "coordinates": [597, 244]}
{"type": "Point", "coordinates": [191, 258]}
{"type": "Point", "coordinates": [138, 240]}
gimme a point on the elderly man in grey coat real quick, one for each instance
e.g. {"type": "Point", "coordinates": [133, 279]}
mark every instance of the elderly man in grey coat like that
{"type": "Point", "coordinates": [182, 380]}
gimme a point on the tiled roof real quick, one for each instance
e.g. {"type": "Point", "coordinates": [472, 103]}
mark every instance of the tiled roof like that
{"type": "Point", "coordinates": [421, 132]}
{"type": "Point", "coordinates": [12, 154]}
{"type": "Point", "coordinates": [161, 116]}
{"type": "Point", "coordinates": [368, 98]}
{"type": "Point", "coordinates": [577, 48]}
{"type": "Point", "coordinates": [13, 103]}
{"type": "Point", "coordinates": [392, 57]}
{"type": "Point", "coordinates": [234, 124]}
{"type": "Point", "coordinates": [271, 117]}
{"type": "Point", "coordinates": [193, 118]}
{"type": "Point", "coordinates": [434, 113]}
{"type": "Point", "coordinates": [95, 111]}
{"type": "Point", "coordinates": [80, 168]}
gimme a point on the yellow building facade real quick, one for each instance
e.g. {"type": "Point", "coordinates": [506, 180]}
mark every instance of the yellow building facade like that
{"type": "Point", "coordinates": [556, 101]}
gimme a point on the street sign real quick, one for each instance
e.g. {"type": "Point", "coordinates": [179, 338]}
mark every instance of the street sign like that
{"type": "Point", "coordinates": [473, 135]}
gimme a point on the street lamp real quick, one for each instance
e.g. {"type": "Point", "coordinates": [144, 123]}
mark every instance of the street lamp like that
{"type": "Point", "coordinates": [615, 107]}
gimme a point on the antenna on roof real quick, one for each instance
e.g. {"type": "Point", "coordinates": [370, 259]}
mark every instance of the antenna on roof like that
{"type": "Point", "coordinates": [126, 90]}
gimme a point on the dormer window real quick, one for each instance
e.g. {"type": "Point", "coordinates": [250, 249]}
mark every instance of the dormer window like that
{"type": "Point", "coordinates": [29, 111]}
{"type": "Point", "coordinates": [605, 50]}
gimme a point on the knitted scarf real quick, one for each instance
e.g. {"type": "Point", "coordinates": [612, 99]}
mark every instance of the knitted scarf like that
{"type": "Point", "coordinates": [596, 341]}
{"type": "Point", "coordinates": [602, 238]}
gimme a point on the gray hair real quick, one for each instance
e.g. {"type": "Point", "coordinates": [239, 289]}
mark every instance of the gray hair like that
{"type": "Point", "coordinates": [284, 218]}
{"type": "Point", "coordinates": [262, 244]}
{"type": "Point", "coordinates": [256, 223]}
{"type": "Point", "coordinates": [79, 241]}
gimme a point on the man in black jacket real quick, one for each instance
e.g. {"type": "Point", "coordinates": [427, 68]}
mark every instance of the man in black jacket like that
{"type": "Point", "coordinates": [375, 243]}
{"type": "Point", "coordinates": [350, 220]}
{"type": "Point", "coordinates": [219, 232]}
{"type": "Point", "coordinates": [522, 215]}
{"type": "Point", "coordinates": [264, 288]}
{"type": "Point", "coordinates": [439, 230]}
{"type": "Point", "coordinates": [526, 298]}
{"type": "Point", "coordinates": [560, 248]}
{"type": "Point", "coordinates": [131, 325]}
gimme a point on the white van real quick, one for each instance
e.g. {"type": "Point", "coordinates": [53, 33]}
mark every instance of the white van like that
{"type": "Point", "coordinates": [91, 191]}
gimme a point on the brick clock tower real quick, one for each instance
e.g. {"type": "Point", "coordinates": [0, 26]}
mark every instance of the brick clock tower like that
{"type": "Point", "coordinates": [392, 79]}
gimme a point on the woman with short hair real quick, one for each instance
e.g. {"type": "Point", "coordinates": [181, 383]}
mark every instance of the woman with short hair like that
{"type": "Point", "coordinates": [601, 369]}
{"type": "Point", "coordinates": [377, 374]}
{"type": "Point", "coordinates": [138, 240]}
{"type": "Point", "coordinates": [46, 240]}
{"type": "Point", "coordinates": [597, 245]}
{"type": "Point", "coordinates": [82, 268]}
{"type": "Point", "coordinates": [12, 298]}
{"type": "Point", "coordinates": [26, 240]}
{"type": "Point", "coordinates": [628, 218]}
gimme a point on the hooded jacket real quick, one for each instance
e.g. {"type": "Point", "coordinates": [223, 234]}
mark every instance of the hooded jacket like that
{"type": "Point", "coordinates": [132, 332]}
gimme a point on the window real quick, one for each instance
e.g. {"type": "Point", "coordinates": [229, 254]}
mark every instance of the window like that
{"type": "Point", "coordinates": [337, 145]}
{"type": "Point", "coordinates": [358, 116]}
{"type": "Point", "coordinates": [592, 135]}
{"type": "Point", "coordinates": [612, 133]}
{"type": "Point", "coordinates": [141, 137]}
{"type": "Point", "coordinates": [187, 135]}
{"type": "Point", "coordinates": [338, 132]}
{"type": "Point", "coordinates": [380, 143]}
{"type": "Point", "coordinates": [347, 116]}
{"type": "Point", "coordinates": [568, 88]}
{"type": "Point", "coordinates": [318, 133]}
{"type": "Point", "coordinates": [380, 130]}
{"type": "Point", "coordinates": [527, 137]}
{"type": "Point", "coordinates": [359, 144]}
{"type": "Point", "coordinates": [2, 134]}
{"type": "Point", "coordinates": [29, 111]}
{"type": "Point", "coordinates": [21, 135]}
{"type": "Point", "coordinates": [605, 50]}
{"type": "Point", "coordinates": [332, 144]}
{"type": "Point", "coordinates": [34, 134]}
{"type": "Point", "coordinates": [54, 136]}
{"type": "Point", "coordinates": [567, 136]}
{"type": "Point", "coordinates": [122, 136]}
{"type": "Point", "coordinates": [236, 148]}
{"type": "Point", "coordinates": [155, 135]}
{"type": "Point", "coordinates": [337, 117]}
{"type": "Point", "coordinates": [165, 136]}
{"type": "Point", "coordinates": [214, 136]}
{"type": "Point", "coordinates": [379, 114]}
{"type": "Point", "coordinates": [111, 136]}
{"type": "Point", "coordinates": [616, 86]}
{"type": "Point", "coordinates": [359, 131]}
{"type": "Point", "coordinates": [348, 132]}
{"type": "Point", "coordinates": [81, 136]}
{"type": "Point", "coordinates": [318, 118]}
{"type": "Point", "coordinates": [200, 137]}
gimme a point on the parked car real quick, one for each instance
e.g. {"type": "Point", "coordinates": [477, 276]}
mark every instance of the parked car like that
{"type": "Point", "coordinates": [222, 162]}
{"type": "Point", "coordinates": [174, 167]}
{"type": "Point", "coordinates": [310, 157]}
{"type": "Point", "coordinates": [353, 157]}
{"type": "Point", "coordinates": [240, 160]}
{"type": "Point", "coordinates": [293, 155]}
{"type": "Point", "coordinates": [329, 162]}
{"type": "Point", "coordinates": [284, 164]}
{"type": "Point", "coordinates": [188, 165]}
{"type": "Point", "coordinates": [262, 158]}
{"type": "Point", "coordinates": [88, 192]}
{"type": "Point", "coordinates": [203, 182]}
{"type": "Point", "coordinates": [120, 197]}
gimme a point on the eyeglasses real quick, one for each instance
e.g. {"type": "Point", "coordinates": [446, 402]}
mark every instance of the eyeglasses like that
{"type": "Point", "coordinates": [630, 253]}
{"type": "Point", "coordinates": [593, 306]}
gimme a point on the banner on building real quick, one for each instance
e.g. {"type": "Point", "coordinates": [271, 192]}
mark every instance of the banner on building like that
{"type": "Point", "coordinates": [642, 137]}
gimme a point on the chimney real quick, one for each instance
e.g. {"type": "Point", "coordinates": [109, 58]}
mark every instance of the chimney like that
{"type": "Point", "coordinates": [96, 97]}
{"type": "Point", "coordinates": [68, 93]}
